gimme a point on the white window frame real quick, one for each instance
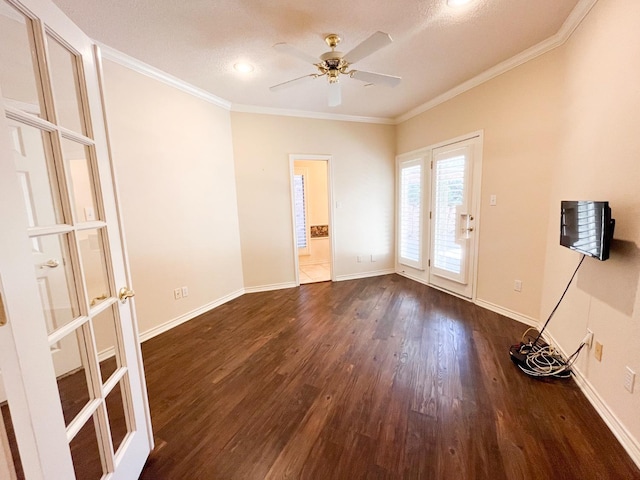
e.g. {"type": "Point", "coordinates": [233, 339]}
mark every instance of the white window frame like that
{"type": "Point", "coordinates": [403, 164]}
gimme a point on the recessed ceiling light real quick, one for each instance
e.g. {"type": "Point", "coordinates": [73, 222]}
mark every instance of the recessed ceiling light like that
{"type": "Point", "coordinates": [243, 67]}
{"type": "Point", "coordinates": [457, 3]}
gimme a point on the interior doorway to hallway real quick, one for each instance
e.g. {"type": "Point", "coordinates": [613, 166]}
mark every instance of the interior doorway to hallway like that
{"type": "Point", "coordinates": [312, 218]}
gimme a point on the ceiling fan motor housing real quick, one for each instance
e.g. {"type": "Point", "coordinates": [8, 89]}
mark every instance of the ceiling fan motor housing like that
{"type": "Point", "coordinates": [333, 65]}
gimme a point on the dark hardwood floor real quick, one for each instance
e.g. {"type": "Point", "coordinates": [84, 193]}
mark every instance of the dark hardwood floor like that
{"type": "Point", "coordinates": [373, 378]}
{"type": "Point", "coordinates": [379, 378]}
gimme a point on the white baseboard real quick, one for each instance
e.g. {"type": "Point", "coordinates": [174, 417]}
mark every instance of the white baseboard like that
{"type": "Point", "coordinates": [355, 276]}
{"type": "Point", "coordinates": [628, 442]}
{"type": "Point", "coordinates": [518, 317]}
{"type": "Point", "coordinates": [268, 288]}
{"type": "Point", "coordinates": [155, 331]}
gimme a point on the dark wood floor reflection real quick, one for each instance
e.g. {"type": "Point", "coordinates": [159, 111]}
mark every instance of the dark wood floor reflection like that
{"type": "Point", "coordinates": [372, 378]}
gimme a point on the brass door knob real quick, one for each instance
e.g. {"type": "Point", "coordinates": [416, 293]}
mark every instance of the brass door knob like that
{"type": "Point", "coordinates": [125, 293]}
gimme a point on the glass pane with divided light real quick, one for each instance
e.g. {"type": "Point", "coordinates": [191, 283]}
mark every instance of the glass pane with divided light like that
{"type": "Point", "coordinates": [55, 280]}
{"type": "Point", "coordinates": [105, 332]}
{"type": "Point", "coordinates": [76, 159]}
{"type": "Point", "coordinates": [19, 65]}
{"type": "Point", "coordinates": [65, 77]}
{"type": "Point", "coordinates": [118, 420]}
{"type": "Point", "coordinates": [92, 256]}
{"type": "Point", "coordinates": [72, 374]}
{"type": "Point", "coordinates": [32, 158]}
{"type": "Point", "coordinates": [85, 452]}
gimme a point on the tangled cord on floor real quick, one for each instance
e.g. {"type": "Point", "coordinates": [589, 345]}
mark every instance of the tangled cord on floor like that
{"type": "Point", "coordinates": [537, 358]}
{"type": "Point", "coordinates": [543, 360]}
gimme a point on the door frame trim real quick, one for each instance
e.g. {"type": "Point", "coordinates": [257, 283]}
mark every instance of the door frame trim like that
{"type": "Point", "coordinates": [293, 157]}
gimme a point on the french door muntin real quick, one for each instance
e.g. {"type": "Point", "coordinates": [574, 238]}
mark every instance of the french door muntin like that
{"type": "Point", "coordinates": [44, 426]}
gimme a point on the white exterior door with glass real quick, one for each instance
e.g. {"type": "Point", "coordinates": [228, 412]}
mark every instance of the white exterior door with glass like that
{"type": "Point", "coordinates": [453, 217]}
{"type": "Point", "coordinates": [69, 353]}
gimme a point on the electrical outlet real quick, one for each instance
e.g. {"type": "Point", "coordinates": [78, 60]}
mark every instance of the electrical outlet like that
{"type": "Point", "coordinates": [598, 352]}
{"type": "Point", "coordinates": [588, 339]}
{"type": "Point", "coordinates": [373, 258]}
{"type": "Point", "coordinates": [185, 292]}
{"type": "Point", "coordinates": [517, 285]}
{"type": "Point", "coordinates": [177, 294]}
{"type": "Point", "coordinates": [493, 200]}
{"type": "Point", "coordinates": [629, 379]}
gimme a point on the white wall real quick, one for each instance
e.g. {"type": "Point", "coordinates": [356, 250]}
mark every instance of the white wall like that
{"type": "Point", "coordinates": [174, 165]}
{"type": "Point", "coordinates": [363, 187]}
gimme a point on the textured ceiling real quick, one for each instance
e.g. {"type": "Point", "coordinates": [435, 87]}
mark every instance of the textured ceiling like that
{"type": "Point", "coordinates": [435, 47]}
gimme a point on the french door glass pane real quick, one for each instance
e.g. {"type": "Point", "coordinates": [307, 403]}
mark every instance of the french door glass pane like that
{"type": "Point", "coordinates": [117, 417]}
{"type": "Point", "coordinates": [104, 329]}
{"type": "Point", "coordinates": [93, 260]}
{"type": "Point", "coordinates": [17, 56]}
{"type": "Point", "coordinates": [76, 157]}
{"type": "Point", "coordinates": [71, 373]}
{"type": "Point", "coordinates": [31, 149]}
{"type": "Point", "coordinates": [66, 92]}
{"type": "Point", "coordinates": [449, 194]}
{"type": "Point", "coordinates": [56, 281]}
{"type": "Point", "coordinates": [85, 453]}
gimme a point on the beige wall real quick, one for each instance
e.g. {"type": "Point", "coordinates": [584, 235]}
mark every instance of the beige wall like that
{"type": "Point", "coordinates": [317, 191]}
{"type": "Point", "coordinates": [518, 113]}
{"type": "Point", "coordinates": [363, 184]}
{"type": "Point", "coordinates": [599, 159]}
{"type": "Point", "coordinates": [174, 164]}
{"type": "Point", "coordinates": [563, 126]}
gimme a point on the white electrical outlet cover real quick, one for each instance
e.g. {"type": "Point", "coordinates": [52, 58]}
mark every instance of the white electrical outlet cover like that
{"type": "Point", "coordinates": [629, 379]}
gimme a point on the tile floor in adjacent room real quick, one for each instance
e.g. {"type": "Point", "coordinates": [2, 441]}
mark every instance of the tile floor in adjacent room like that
{"type": "Point", "coordinates": [319, 272]}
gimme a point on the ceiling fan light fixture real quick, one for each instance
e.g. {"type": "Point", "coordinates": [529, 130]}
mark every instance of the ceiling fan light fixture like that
{"type": "Point", "coordinates": [457, 3]}
{"type": "Point", "coordinates": [243, 67]}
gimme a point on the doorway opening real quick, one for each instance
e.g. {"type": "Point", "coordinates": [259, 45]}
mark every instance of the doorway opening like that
{"type": "Point", "coordinates": [313, 233]}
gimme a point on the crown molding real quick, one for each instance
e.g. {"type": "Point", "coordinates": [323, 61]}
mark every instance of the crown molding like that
{"type": "Point", "coordinates": [580, 11]}
{"type": "Point", "coordinates": [134, 64]}
{"type": "Point", "coordinates": [314, 115]}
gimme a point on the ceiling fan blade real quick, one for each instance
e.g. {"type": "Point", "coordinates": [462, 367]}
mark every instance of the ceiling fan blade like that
{"type": "Point", "coordinates": [294, 52]}
{"type": "Point", "coordinates": [376, 78]}
{"type": "Point", "coordinates": [372, 44]}
{"type": "Point", "coordinates": [335, 94]}
{"type": "Point", "coordinates": [290, 83]}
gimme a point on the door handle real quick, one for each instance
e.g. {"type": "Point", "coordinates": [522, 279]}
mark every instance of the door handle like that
{"type": "Point", "coordinates": [125, 293]}
{"type": "Point", "coordinates": [51, 263]}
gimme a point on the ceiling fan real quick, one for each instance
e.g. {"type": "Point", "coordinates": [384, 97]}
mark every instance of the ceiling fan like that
{"type": "Point", "coordinates": [334, 63]}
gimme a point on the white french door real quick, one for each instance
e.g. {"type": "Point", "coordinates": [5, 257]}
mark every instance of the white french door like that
{"type": "Point", "coordinates": [69, 353]}
{"type": "Point", "coordinates": [453, 217]}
